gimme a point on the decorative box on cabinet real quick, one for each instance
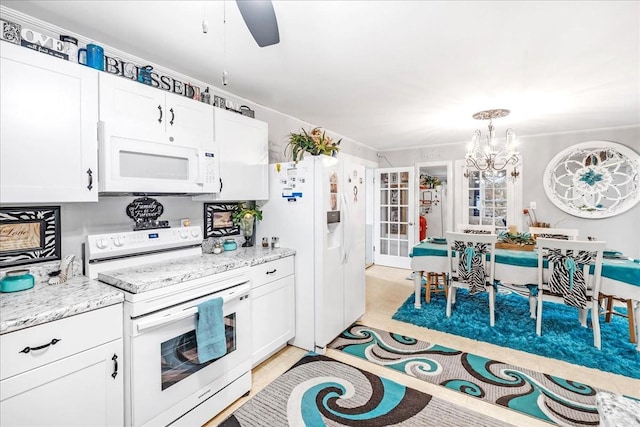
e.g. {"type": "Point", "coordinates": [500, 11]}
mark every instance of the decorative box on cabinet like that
{"type": "Point", "coordinates": [272, 307]}
{"type": "Point", "coordinates": [48, 136]}
{"type": "Point", "coordinates": [243, 144]}
{"type": "Point", "coordinates": [67, 372]}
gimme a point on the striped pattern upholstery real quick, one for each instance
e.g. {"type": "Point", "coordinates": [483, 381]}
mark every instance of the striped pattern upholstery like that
{"type": "Point", "coordinates": [471, 265]}
{"type": "Point", "coordinates": [567, 277]}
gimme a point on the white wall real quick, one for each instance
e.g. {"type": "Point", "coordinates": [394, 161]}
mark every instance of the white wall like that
{"type": "Point", "coordinates": [622, 232]}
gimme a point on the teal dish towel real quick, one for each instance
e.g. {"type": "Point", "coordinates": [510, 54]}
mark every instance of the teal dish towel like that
{"type": "Point", "coordinates": [210, 335]}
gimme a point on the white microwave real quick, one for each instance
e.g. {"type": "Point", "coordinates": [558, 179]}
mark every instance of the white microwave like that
{"type": "Point", "coordinates": [136, 165]}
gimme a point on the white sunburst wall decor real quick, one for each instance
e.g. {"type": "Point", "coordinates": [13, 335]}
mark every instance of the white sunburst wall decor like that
{"type": "Point", "coordinates": [594, 179]}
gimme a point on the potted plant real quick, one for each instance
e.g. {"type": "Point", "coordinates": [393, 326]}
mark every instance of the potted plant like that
{"type": "Point", "coordinates": [246, 216]}
{"type": "Point", "coordinates": [315, 142]}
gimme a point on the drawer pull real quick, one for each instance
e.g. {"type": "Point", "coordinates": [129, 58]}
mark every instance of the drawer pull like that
{"type": "Point", "coordinates": [27, 349]}
{"type": "Point", "coordinates": [115, 366]}
{"type": "Point", "coordinates": [272, 271]}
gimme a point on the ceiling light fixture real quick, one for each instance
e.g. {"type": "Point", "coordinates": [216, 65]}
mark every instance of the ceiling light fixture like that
{"type": "Point", "coordinates": [490, 155]}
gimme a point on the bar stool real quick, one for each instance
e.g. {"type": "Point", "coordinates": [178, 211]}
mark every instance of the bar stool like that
{"type": "Point", "coordinates": [433, 284]}
{"type": "Point", "coordinates": [610, 311]}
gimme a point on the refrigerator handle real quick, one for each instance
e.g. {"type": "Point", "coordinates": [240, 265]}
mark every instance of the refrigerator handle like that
{"type": "Point", "coordinates": [346, 228]}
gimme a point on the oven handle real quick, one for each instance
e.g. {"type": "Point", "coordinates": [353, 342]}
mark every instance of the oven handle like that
{"type": "Point", "coordinates": [229, 296]}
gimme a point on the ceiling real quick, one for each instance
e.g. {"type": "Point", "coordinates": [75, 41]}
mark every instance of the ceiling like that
{"type": "Point", "coordinates": [394, 74]}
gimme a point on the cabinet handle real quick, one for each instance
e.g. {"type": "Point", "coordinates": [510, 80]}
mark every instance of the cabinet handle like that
{"type": "Point", "coordinates": [27, 349]}
{"type": "Point", "coordinates": [173, 116]}
{"type": "Point", "coordinates": [160, 118]}
{"type": "Point", "coordinates": [221, 185]}
{"type": "Point", "coordinates": [90, 173]}
{"type": "Point", "coordinates": [272, 271]}
{"type": "Point", "coordinates": [115, 366]}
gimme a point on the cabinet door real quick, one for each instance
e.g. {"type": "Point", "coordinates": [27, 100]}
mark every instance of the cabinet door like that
{"type": "Point", "coordinates": [48, 135]}
{"type": "Point", "coordinates": [80, 390]}
{"type": "Point", "coordinates": [273, 317]}
{"type": "Point", "coordinates": [188, 121]}
{"type": "Point", "coordinates": [132, 109]}
{"type": "Point", "coordinates": [244, 156]}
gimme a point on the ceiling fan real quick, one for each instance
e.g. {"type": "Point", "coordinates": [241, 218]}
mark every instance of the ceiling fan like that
{"type": "Point", "coordinates": [261, 21]}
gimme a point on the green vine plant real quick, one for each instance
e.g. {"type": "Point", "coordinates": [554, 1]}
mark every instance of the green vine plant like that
{"type": "Point", "coordinates": [246, 212]}
{"type": "Point", "coordinates": [315, 142]}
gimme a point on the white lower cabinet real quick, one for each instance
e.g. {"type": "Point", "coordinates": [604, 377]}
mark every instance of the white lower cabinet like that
{"type": "Point", "coordinates": [272, 308]}
{"type": "Point", "coordinates": [59, 385]}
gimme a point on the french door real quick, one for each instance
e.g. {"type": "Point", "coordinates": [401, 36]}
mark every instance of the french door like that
{"type": "Point", "coordinates": [394, 233]}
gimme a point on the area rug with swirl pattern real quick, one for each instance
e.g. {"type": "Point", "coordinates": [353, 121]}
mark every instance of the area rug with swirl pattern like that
{"type": "Point", "coordinates": [320, 391]}
{"type": "Point", "coordinates": [549, 398]}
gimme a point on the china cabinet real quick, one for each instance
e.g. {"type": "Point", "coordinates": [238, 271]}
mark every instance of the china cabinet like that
{"type": "Point", "coordinates": [48, 136]}
{"type": "Point", "coordinates": [66, 372]}
{"type": "Point", "coordinates": [272, 307]}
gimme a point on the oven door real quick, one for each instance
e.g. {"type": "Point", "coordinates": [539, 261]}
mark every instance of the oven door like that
{"type": "Point", "coordinates": [165, 378]}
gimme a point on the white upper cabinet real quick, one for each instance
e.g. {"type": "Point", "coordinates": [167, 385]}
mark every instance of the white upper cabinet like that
{"type": "Point", "coordinates": [243, 144]}
{"type": "Point", "coordinates": [138, 111]}
{"type": "Point", "coordinates": [48, 133]}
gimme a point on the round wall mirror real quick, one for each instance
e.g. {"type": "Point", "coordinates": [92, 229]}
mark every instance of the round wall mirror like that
{"type": "Point", "coordinates": [595, 179]}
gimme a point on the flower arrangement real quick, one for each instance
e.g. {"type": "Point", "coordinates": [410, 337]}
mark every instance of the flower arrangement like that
{"type": "Point", "coordinates": [315, 142]}
{"type": "Point", "coordinates": [244, 212]}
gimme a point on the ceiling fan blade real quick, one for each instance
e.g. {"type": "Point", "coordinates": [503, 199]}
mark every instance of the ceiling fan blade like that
{"type": "Point", "coordinates": [261, 21]}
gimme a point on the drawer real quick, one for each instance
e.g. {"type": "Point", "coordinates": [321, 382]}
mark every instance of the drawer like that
{"type": "Point", "coordinates": [269, 271]}
{"type": "Point", "coordinates": [75, 334]}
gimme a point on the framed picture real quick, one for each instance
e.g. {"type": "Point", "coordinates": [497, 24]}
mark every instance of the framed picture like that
{"type": "Point", "coordinates": [29, 235]}
{"type": "Point", "coordinates": [218, 221]}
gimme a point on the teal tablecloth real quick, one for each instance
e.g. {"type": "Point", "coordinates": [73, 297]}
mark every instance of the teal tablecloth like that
{"type": "Point", "coordinates": [622, 270]}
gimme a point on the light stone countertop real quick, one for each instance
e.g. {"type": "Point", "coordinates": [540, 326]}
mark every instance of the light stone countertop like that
{"type": "Point", "coordinates": [45, 303]}
{"type": "Point", "coordinates": [161, 274]}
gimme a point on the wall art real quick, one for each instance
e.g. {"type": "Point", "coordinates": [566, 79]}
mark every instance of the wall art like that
{"type": "Point", "coordinates": [218, 220]}
{"type": "Point", "coordinates": [29, 235]}
{"type": "Point", "coordinates": [594, 179]}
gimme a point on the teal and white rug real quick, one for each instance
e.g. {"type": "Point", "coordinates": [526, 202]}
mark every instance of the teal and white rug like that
{"type": "Point", "coordinates": [549, 398]}
{"type": "Point", "coordinates": [562, 336]}
{"type": "Point", "coordinates": [320, 391]}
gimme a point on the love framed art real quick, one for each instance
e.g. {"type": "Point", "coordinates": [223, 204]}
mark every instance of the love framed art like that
{"type": "Point", "coordinates": [29, 235]}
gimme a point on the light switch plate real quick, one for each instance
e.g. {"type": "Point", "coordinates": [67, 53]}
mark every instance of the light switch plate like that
{"type": "Point", "coordinates": [532, 205]}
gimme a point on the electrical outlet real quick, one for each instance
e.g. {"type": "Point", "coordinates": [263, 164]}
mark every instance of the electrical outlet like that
{"type": "Point", "coordinates": [532, 205]}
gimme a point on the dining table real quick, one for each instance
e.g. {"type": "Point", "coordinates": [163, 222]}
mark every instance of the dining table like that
{"type": "Point", "coordinates": [620, 275]}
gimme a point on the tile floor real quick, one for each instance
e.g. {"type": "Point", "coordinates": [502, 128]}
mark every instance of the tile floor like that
{"type": "Point", "coordinates": [387, 289]}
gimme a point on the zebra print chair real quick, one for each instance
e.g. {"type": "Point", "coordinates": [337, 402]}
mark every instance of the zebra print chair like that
{"type": "Point", "coordinates": [469, 268]}
{"type": "Point", "coordinates": [554, 233]}
{"type": "Point", "coordinates": [476, 228]}
{"type": "Point", "coordinates": [567, 274]}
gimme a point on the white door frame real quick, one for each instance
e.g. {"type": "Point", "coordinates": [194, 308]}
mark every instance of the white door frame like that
{"type": "Point", "coordinates": [449, 196]}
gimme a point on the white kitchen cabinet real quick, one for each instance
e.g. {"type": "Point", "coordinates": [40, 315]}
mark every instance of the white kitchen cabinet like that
{"type": "Point", "coordinates": [243, 144]}
{"type": "Point", "coordinates": [48, 136]}
{"type": "Point", "coordinates": [74, 381]}
{"type": "Point", "coordinates": [142, 112]}
{"type": "Point", "coordinates": [272, 307]}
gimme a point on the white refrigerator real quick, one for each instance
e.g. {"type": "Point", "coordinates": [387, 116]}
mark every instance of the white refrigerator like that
{"type": "Point", "coordinates": [317, 207]}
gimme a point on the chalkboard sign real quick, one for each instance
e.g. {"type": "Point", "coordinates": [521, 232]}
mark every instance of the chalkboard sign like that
{"type": "Point", "coordinates": [145, 211]}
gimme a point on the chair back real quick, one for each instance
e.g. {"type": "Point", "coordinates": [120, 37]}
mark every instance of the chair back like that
{"type": "Point", "coordinates": [583, 254]}
{"type": "Point", "coordinates": [487, 243]}
{"type": "Point", "coordinates": [554, 233]}
{"type": "Point", "coordinates": [476, 228]}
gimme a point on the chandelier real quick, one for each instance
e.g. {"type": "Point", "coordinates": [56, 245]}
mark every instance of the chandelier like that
{"type": "Point", "coordinates": [490, 155]}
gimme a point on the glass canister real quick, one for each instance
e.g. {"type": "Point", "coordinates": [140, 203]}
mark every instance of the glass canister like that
{"type": "Point", "coordinates": [16, 280]}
